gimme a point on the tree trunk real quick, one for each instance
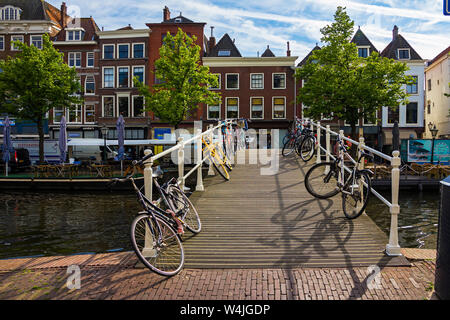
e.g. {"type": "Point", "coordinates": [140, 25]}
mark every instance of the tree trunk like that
{"type": "Point", "coordinates": [40, 126]}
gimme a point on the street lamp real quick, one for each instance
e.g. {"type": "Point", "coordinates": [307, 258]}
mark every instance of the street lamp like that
{"type": "Point", "coordinates": [104, 133]}
{"type": "Point", "coordinates": [434, 131]}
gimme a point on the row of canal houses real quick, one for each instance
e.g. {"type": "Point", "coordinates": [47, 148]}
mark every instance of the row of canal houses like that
{"type": "Point", "coordinates": [261, 88]}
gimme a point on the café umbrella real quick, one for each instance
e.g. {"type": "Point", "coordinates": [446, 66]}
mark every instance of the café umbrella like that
{"type": "Point", "coordinates": [120, 126]}
{"type": "Point", "coordinates": [63, 140]}
{"type": "Point", "coordinates": [7, 143]}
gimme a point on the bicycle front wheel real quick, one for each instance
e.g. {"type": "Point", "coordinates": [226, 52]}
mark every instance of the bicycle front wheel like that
{"type": "Point", "coordinates": [356, 201]}
{"type": "Point", "coordinates": [184, 208]}
{"type": "Point", "coordinates": [307, 149]}
{"type": "Point", "coordinates": [220, 167]}
{"type": "Point", "coordinates": [321, 180]}
{"type": "Point", "coordinates": [157, 245]}
{"type": "Point", "coordinates": [288, 147]}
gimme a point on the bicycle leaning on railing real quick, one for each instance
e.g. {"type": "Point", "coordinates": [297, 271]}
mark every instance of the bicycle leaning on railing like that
{"type": "Point", "coordinates": [301, 140]}
{"type": "Point", "coordinates": [325, 180]}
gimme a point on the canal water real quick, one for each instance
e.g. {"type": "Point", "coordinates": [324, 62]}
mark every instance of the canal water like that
{"type": "Point", "coordinates": [46, 224]}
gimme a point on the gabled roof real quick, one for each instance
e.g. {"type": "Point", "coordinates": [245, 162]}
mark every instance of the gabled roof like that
{"type": "Point", "coordinates": [399, 42]}
{"type": "Point", "coordinates": [179, 19]}
{"type": "Point", "coordinates": [440, 55]}
{"type": "Point", "coordinates": [309, 55]}
{"type": "Point", "coordinates": [268, 53]}
{"type": "Point", "coordinates": [225, 44]}
{"type": "Point", "coordinates": [128, 27]}
{"type": "Point", "coordinates": [31, 9]}
{"type": "Point", "coordinates": [361, 40]}
{"type": "Point", "coordinates": [89, 26]}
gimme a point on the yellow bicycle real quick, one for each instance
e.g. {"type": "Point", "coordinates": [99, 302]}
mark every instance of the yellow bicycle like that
{"type": "Point", "coordinates": [217, 157]}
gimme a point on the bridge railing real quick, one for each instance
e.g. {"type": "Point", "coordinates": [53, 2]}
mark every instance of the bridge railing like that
{"type": "Point", "coordinates": [393, 247]}
{"type": "Point", "coordinates": [180, 159]}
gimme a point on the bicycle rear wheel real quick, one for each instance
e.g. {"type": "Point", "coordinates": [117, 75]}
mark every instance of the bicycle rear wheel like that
{"type": "Point", "coordinates": [157, 245]}
{"type": "Point", "coordinates": [321, 180]}
{"type": "Point", "coordinates": [289, 147]}
{"type": "Point", "coordinates": [184, 208]}
{"type": "Point", "coordinates": [220, 167]}
{"type": "Point", "coordinates": [354, 204]}
{"type": "Point", "coordinates": [307, 148]}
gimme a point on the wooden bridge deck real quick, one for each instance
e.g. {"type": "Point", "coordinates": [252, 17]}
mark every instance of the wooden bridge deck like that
{"type": "Point", "coordinates": [256, 221]}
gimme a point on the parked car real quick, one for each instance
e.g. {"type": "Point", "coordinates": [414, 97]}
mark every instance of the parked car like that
{"type": "Point", "coordinates": [19, 160]}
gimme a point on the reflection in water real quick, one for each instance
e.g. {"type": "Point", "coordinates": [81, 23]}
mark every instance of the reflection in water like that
{"type": "Point", "coordinates": [418, 219]}
{"type": "Point", "coordinates": [48, 224]}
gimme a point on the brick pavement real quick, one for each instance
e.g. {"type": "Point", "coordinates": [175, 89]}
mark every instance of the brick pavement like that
{"type": "Point", "coordinates": [110, 277]}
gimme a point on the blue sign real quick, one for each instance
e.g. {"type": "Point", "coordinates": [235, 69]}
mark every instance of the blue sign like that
{"type": "Point", "coordinates": [420, 151]}
{"type": "Point", "coordinates": [160, 132]}
{"type": "Point", "coordinates": [447, 7]}
{"type": "Point", "coordinates": [11, 122]}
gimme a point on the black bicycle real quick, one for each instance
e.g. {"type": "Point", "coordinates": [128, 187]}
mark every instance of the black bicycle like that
{"type": "Point", "coordinates": [327, 179]}
{"type": "Point", "coordinates": [303, 142]}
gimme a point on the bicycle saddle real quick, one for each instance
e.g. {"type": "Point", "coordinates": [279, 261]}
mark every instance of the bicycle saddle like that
{"type": "Point", "coordinates": [158, 172]}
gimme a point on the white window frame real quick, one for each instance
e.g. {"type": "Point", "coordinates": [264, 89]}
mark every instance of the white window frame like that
{"type": "Point", "coordinates": [251, 74]}
{"type": "Point", "coordinates": [85, 82]}
{"type": "Point", "coordinates": [85, 113]}
{"type": "Point", "coordinates": [118, 50]}
{"type": "Point", "coordinates": [327, 119]}
{"type": "Point", "coordinates": [132, 76]}
{"type": "Point", "coordinates": [132, 49]}
{"type": "Point", "coordinates": [16, 36]}
{"type": "Point", "coordinates": [3, 42]}
{"type": "Point", "coordinates": [273, 80]}
{"type": "Point", "coordinates": [220, 111]}
{"type": "Point", "coordinates": [226, 81]}
{"type": "Point", "coordinates": [79, 31]}
{"type": "Point", "coordinates": [103, 77]}
{"type": "Point", "coordinates": [17, 13]}
{"type": "Point", "coordinates": [273, 108]}
{"type": "Point", "coordinates": [87, 59]}
{"type": "Point", "coordinates": [364, 47]}
{"type": "Point", "coordinates": [54, 116]}
{"type": "Point", "coordinates": [371, 124]}
{"type": "Point", "coordinates": [76, 110]}
{"type": "Point", "coordinates": [132, 106]}
{"type": "Point", "coordinates": [103, 105]}
{"type": "Point", "coordinates": [75, 60]}
{"type": "Point", "coordinates": [409, 53]}
{"type": "Point", "coordinates": [118, 73]}
{"type": "Point", "coordinates": [220, 82]}
{"type": "Point", "coordinates": [226, 107]}
{"type": "Point", "coordinates": [417, 86]}
{"type": "Point", "coordinates": [114, 50]}
{"type": "Point", "coordinates": [31, 40]}
{"type": "Point", "coordinates": [122, 95]}
{"type": "Point", "coordinates": [251, 105]}
{"type": "Point", "coordinates": [406, 114]}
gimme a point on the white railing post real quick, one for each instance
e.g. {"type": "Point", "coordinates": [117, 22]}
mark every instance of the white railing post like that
{"type": "Point", "coordinates": [341, 154]}
{"type": "Point", "coordinates": [211, 138]}
{"type": "Point", "coordinates": [181, 163]}
{"type": "Point", "coordinates": [148, 250]}
{"type": "Point", "coordinates": [199, 162]}
{"type": "Point", "coordinates": [361, 165]}
{"type": "Point", "coordinates": [317, 146]}
{"type": "Point", "coordinates": [393, 248]}
{"type": "Point", "coordinates": [328, 138]}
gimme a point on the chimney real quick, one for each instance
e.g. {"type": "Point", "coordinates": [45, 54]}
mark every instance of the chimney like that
{"type": "Point", "coordinates": [395, 33]}
{"type": "Point", "coordinates": [288, 50]}
{"type": "Point", "coordinates": [63, 15]}
{"type": "Point", "coordinates": [212, 40]}
{"type": "Point", "coordinates": [166, 14]}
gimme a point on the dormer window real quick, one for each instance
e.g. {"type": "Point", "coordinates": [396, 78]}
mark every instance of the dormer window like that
{"type": "Point", "coordinates": [75, 35]}
{"type": "Point", "coordinates": [363, 52]}
{"type": "Point", "coordinates": [10, 13]}
{"type": "Point", "coordinates": [178, 20]}
{"type": "Point", "coordinates": [404, 54]}
{"type": "Point", "coordinates": [224, 53]}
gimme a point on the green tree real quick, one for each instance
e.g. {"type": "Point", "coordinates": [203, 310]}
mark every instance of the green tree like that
{"type": "Point", "coordinates": [34, 82]}
{"type": "Point", "coordinates": [184, 82]}
{"type": "Point", "coordinates": [338, 82]}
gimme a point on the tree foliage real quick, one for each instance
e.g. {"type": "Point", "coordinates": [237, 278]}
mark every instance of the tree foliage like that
{"type": "Point", "coordinates": [184, 82]}
{"type": "Point", "coordinates": [34, 82]}
{"type": "Point", "coordinates": [338, 82]}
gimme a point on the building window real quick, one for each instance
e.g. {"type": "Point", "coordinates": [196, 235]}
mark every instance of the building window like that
{"type": "Point", "coordinates": [89, 114]}
{"type": "Point", "coordinates": [232, 108]}
{"type": "Point", "coordinates": [363, 52]}
{"type": "Point", "coordinates": [15, 38]}
{"type": "Point", "coordinates": [232, 81]}
{"type": "Point", "coordinates": [257, 108]}
{"type": "Point", "coordinates": [224, 53]}
{"type": "Point", "coordinates": [257, 81]}
{"type": "Point", "coordinates": [213, 112]}
{"type": "Point", "coordinates": [138, 106]}
{"type": "Point", "coordinates": [412, 88]}
{"type": "Point", "coordinates": [279, 108]}
{"type": "Point", "coordinates": [367, 122]}
{"type": "Point", "coordinates": [90, 60]}
{"type": "Point", "coordinates": [429, 84]}
{"type": "Point", "coordinates": [75, 114]}
{"type": "Point", "coordinates": [89, 85]}
{"type": "Point", "coordinates": [57, 114]}
{"type": "Point", "coordinates": [411, 113]}
{"type": "Point", "coordinates": [429, 108]}
{"type": "Point", "coordinates": [10, 13]}
{"type": "Point", "coordinates": [2, 43]}
{"type": "Point", "coordinates": [139, 73]}
{"type": "Point", "coordinates": [403, 54]}
{"type": "Point", "coordinates": [108, 77]}
{"type": "Point", "coordinates": [123, 77]}
{"type": "Point", "coordinates": [108, 51]}
{"type": "Point", "coordinates": [123, 51]}
{"type": "Point", "coordinates": [36, 41]}
{"type": "Point", "coordinates": [108, 107]}
{"type": "Point", "coordinates": [75, 35]}
{"type": "Point", "coordinates": [123, 106]}
{"type": "Point", "coordinates": [279, 81]}
{"type": "Point", "coordinates": [219, 77]}
{"type": "Point", "coordinates": [75, 59]}
{"type": "Point", "coordinates": [138, 50]}
{"type": "Point", "coordinates": [393, 115]}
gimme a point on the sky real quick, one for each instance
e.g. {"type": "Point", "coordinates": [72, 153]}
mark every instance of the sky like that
{"type": "Point", "coordinates": [254, 24]}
